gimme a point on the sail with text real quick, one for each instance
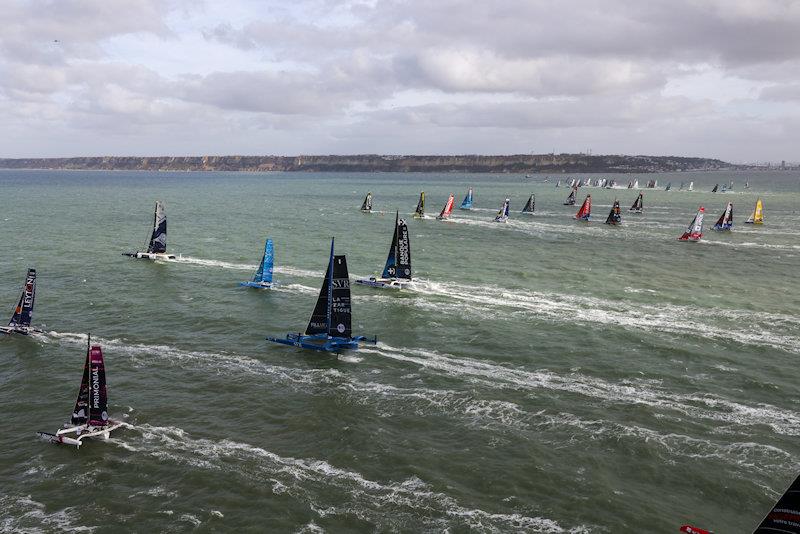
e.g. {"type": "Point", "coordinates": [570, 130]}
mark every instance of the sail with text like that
{"type": "Point", "coordinates": [23, 313]}
{"type": "Point", "coordinates": [695, 230]}
{"type": "Point", "coordinates": [502, 215]}
{"type": "Point", "coordinates": [585, 212]}
{"type": "Point", "coordinates": [263, 277]}
{"type": "Point", "coordinates": [158, 239]}
{"type": "Point", "coordinates": [638, 204]}
{"type": "Point", "coordinates": [448, 209]}
{"type": "Point", "coordinates": [784, 517]}
{"type": "Point", "coordinates": [725, 221]}
{"type": "Point", "coordinates": [398, 262]}
{"type": "Point", "coordinates": [614, 217]}
{"type": "Point", "coordinates": [571, 198]}
{"type": "Point", "coordinates": [80, 415]}
{"type": "Point", "coordinates": [530, 205]}
{"type": "Point", "coordinates": [466, 204]}
{"type": "Point", "coordinates": [366, 206]}
{"type": "Point", "coordinates": [98, 396]}
{"type": "Point", "coordinates": [757, 217]}
{"type": "Point", "coordinates": [716, 187]}
{"type": "Point", "coordinates": [419, 212]}
{"type": "Point", "coordinates": [330, 326]}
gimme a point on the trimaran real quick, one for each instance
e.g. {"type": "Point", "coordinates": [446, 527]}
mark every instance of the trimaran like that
{"type": "Point", "coordinates": [157, 245]}
{"type": "Point", "coordinates": [397, 271]}
{"type": "Point", "coordinates": [20, 322]}
{"type": "Point", "coordinates": [329, 329]}
{"type": "Point", "coordinates": [90, 416]}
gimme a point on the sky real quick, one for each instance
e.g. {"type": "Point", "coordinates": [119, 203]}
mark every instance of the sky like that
{"type": "Point", "coordinates": [709, 78]}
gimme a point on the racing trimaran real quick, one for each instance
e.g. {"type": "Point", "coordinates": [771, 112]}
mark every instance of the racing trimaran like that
{"type": "Point", "coordinates": [397, 271]}
{"type": "Point", "coordinates": [157, 245]}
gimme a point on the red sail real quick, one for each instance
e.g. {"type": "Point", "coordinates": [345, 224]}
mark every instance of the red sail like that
{"type": "Point", "coordinates": [448, 208]}
{"type": "Point", "coordinates": [586, 209]}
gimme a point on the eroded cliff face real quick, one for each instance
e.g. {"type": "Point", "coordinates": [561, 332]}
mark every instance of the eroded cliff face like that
{"type": "Point", "coordinates": [544, 163]}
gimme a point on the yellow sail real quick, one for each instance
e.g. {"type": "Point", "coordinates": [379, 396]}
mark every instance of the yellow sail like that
{"type": "Point", "coordinates": [758, 214]}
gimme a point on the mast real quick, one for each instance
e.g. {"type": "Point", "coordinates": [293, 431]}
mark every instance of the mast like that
{"type": "Point", "coordinates": [330, 292]}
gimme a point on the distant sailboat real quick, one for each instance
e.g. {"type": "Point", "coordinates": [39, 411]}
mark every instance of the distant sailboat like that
{"type": "Point", "coordinates": [669, 186]}
{"type": "Point", "coordinates": [681, 187]}
{"type": "Point", "coordinates": [397, 271]}
{"type": "Point", "coordinates": [447, 210]}
{"type": "Point", "coordinates": [90, 416]}
{"type": "Point", "coordinates": [725, 221]}
{"type": "Point", "coordinates": [691, 186]}
{"type": "Point", "coordinates": [466, 204]}
{"type": "Point", "coordinates": [695, 230]}
{"type": "Point", "coordinates": [585, 211]}
{"type": "Point", "coordinates": [636, 184]}
{"type": "Point", "coordinates": [630, 184]}
{"type": "Point", "coordinates": [558, 183]}
{"type": "Point", "coordinates": [530, 205]}
{"type": "Point", "coordinates": [263, 277]}
{"type": "Point", "coordinates": [571, 198]}
{"type": "Point", "coordinates": [157, 246]}
{"type": "Point", "coordinates": [614, 217]}
{"type": "Point", "coordinates": [757, 217]}
{"type": "Point", "coordinates": [329, 329]}
{"type": "Point", "coordinates": [638, 204]}
{"type": "Point", "coordinates": [366, 206]}
{"type": "Point", "coordinates": [20, 322]}
{"type": "Point", "coordinates": [419, 213]}
{"type": "Point", "coordinates": [716, 187]}
{"type": "Point", "coordinates": [502, 215]}
{"type": "Point", "coordinates": [747, 185]}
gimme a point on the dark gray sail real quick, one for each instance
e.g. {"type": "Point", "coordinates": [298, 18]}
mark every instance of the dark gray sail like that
{"type": "Point", "coordinates": [530, 205]}
{"type": "Point", "coordinates": [158, 240]}
{"type": "Point", "coordinates": [80, 414]}
{"type": "Point", "coordinates": [23, 313]}
{"type": "Point", "coordinates": [340, 312]}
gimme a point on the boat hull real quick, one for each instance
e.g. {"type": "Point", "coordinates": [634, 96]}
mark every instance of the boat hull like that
{"type": "Point", "coordinates": [21, 330]}
{"type": "Point", "coordinates": [383, 283]}
{"type": "Point", "coordinates": [76, 434]}
{"type": "Point", "coordinates": [149, 256]}
{"type": "Point", "coordinates": [257, 285]}
{"type": "Point", "coordinates": [321, 343]}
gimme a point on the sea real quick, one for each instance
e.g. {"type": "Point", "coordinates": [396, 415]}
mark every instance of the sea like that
{"type": "Point", "coordinates": [543, 375]}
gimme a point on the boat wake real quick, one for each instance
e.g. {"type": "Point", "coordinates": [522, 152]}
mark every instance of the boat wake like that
{"type": "Point", "coordinates": [332, 491]}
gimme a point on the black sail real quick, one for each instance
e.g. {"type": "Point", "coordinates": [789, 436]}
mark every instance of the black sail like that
{"type": "Point", "coordinates": [80, 414]}
{"type": "Point", "coordinates": [98, 396]}
{"type": "Point", "coordinates": [158, 240]}
{"type": "Point", "coordinates": [784, 518]}
{"type": "Point", "coordinates": [340, 312]}
{"type": "Point", "coordinates": [530, 205]}
{"type": "Point", "coordinates": [403, 253]}
{"type": "Point", "coordinates": [23, 313]}
{"type": "Point", "coordinates": [319, 317]}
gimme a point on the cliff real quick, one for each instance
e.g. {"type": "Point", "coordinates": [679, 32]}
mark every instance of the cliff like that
{"type": "Point", "coordinates": [543, 163]}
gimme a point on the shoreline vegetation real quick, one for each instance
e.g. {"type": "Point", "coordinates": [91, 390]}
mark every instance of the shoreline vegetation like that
{"type": "Point", "coordinates": [521, 163]}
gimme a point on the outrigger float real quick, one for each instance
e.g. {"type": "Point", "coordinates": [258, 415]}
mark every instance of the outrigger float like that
{"type": "Point", "coordinates": [329, 329]}
{"type": "Point", "coordinates": [263, 277]}
{"type": "Point", "coordinates": [90, 416]}
{"type": "Point", "coordinates": [20, 322]}
{"type": "Point", "coordinates": [695, 230]}
{"type": "Point", "coordinates": [157, 246]}
{"type": "Point", "coordinates": [397, 271]}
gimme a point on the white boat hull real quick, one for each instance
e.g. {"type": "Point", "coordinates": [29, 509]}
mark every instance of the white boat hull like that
{"type": "Point", "coordinates": [150, 256]}
{"type": "Point", "coordinates": [82, 432]}
{"type": "Point", "coordinates": [384, 283]}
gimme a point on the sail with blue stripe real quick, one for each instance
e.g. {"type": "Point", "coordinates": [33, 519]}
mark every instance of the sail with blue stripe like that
{"type": "Point", "coordinates": [263, 276]}
{"type": "Point", "coordinates": [466, 204]}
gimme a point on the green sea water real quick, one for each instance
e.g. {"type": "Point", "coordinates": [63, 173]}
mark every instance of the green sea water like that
{"type": "Point", "coordinates": [545, 375]}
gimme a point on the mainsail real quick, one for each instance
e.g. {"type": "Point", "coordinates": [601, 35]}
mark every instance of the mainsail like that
{"type": "Point", "coordinates": [716, 187]}
{"type": "Point", "coordinates": [158, 240]}
{"type": "Point", "coordinates": [615, 217]}
{"type": "Point", "coordinates": [502, 215]}
{"type": "Point", "coordinates": [695, 230]}
{"type": "Point", "coordinates": [367, 204]}
{"type": "Point", "coordinates": [398, 262]}
{"type": "Point", "coordinates": [784, 517]}
{"type": "Point", "coordinates": [586, 209]}
{"type": "Point", "coordinates": [725, 221]}
{"type": "Point", "coordinates": [419, 213]}
{"type": "Point", "coordinates": [757, 217]}
{"type": "Point", "coordinates": [669, 186]}
{"type": "Point", "coordinates": [332, 313]}
{"type": "Point", "coordinates": [571, 198]}
{"type": "Point", "coordinates": [80, 415]}
{"type": "Point", "coordinates": [530, 205]}
{"type": "Point", "coordinates": [448, 208]}
{"type": "Point", "coordinates": [23, 313]}
{"type": "Point", "coordinates": [264, 272]}
{"type": "Point", "coordinates": [637, 204]}
{"type": "Point", "coordinates": [691, 186]}
{"type": "Point", "coordinates": [466, 204]}
{"type": "Point", "coordinates": [98, 397]}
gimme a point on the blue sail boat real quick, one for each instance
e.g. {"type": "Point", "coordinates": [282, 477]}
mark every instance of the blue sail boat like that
{"type": "Point", "coordinates": [330, 327]}
{"type": "Point", "coordinates": [466, 204]}
{"type": "Point", "coordinates": [263, 276]}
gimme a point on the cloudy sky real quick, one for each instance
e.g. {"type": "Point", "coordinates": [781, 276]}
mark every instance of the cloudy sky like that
{"type": "Point", "coordinates": [717, 78]}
